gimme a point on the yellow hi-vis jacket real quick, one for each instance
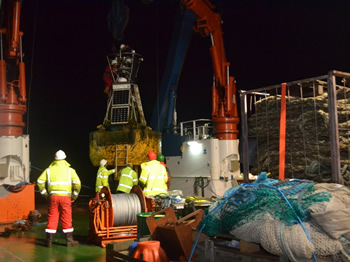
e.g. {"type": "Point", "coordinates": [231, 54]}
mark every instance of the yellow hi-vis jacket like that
{"type": "Point", "coordinates": [153, 177]}
{"type": "Point", "coordinates": [128, 179]}
{"type": "Point", "coordinates": [102, 177]}
{"type": "Point", "coordinates": [61, 180]}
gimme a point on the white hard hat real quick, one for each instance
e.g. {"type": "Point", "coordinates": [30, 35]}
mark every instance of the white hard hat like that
{"type": "Point", "coordinates": [122, 46]}
{"type": "Point", "coordinates": [103, 162]}
{"type": "Point", "coordinates": [60, 155]}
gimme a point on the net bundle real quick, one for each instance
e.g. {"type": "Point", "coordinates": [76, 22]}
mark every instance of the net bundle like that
{"type": "Point", "coordinates": [307, 136]}
{"type": "Point", "coordinates": [278, 216]}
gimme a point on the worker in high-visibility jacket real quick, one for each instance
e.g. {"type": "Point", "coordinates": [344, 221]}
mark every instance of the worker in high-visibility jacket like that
{"type": "Point", "coordinates": [128, 179]}
{"type": "Point", "coordinates": [161, 160]}
{"type": "Point", "coordinates": [153, 176]}
{"type": "Point", "coordinates": [102, 175]}
{"type": "Point", "coordinates": [63, 187]}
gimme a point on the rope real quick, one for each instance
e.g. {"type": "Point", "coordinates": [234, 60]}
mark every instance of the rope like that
{"type": "Point", "coordinates": [218, 207]}
{"type": "Point", "coordinates": [125, 208]}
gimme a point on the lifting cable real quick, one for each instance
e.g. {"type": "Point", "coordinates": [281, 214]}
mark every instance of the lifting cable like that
{"type": "Point", "coordinates": [31, 65]}
{"type": "Point", "coordinates": [125, 209]}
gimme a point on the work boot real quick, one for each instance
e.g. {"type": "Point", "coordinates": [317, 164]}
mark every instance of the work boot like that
{"type": "Point", "coordinates": [49, 239]}
{"type": "Point", "coordinates": [70, 241]}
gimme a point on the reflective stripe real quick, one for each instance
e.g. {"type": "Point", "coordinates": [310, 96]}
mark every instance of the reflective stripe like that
{"type": "Point", "coordinates": [43, 192]}
{"type": "Point", "coordinates": [155, 177]}
{"type": "Point", "coordinates": [60, 192]}
{"type": "Point", "coordinates": [41, 181]}
{"type": "Point", "coordinates": [125, 186]}
{"type": "Point", "coordinates": [100, 176]}
{"type": "Point", "coordinates": [58, 182]}
{"type": "Point", "coordinates": [69, 230]}
{"type": "Point", "coordinates": [154, 189]}
{"type": "Point", "coordinates": [142, 177]}
{"type": "Point", "coordinates": [129, 175]}
{"type": "Point", "coordinates": [99, 186]}
{"type": "Point", "coordinates": [75, 193]}
{"type": "Point", "coordinates": [76, 182]}
{"type": "Point", "coordinates": [51, 231]}
{"type": "Point", "coordinates": [134, 180]}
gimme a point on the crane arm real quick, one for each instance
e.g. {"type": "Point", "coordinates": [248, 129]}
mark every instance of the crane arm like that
{"type": "Point", "coordinates": [163, 117]}
{"type": "Point", "coordinates": [12, 72]}
{"type": "Point", "coordinates": [224, 106]}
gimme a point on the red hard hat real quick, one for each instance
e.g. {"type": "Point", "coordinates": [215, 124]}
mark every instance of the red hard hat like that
{"type": "Point", "coordinates": [152, 156]}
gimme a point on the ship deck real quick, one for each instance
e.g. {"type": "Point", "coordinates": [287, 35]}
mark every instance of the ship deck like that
{"type": "Point", "coordinates": [29, 246]}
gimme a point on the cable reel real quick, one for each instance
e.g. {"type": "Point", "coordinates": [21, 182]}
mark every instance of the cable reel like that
{"type": "Point", "coordinates": [113, 217]}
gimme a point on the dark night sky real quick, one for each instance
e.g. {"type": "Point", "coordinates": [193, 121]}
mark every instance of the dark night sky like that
{"type": "Point", "coordinates": [266, 42]}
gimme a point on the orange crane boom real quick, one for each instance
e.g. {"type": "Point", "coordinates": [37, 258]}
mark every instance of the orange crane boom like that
{"type": "Point", "coordinates": [224, 105]}
{"type": "Point", "coordinates": [12, 84]}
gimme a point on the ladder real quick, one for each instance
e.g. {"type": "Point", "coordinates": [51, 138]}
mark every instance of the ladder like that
{"type": "Point", "coordinates": [121, 157]}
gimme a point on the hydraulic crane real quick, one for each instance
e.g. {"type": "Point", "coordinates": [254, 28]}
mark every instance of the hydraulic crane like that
{"type": "Point", "coordinates": [210, 160]}
{"type": "Point", "coordinates": [14, 145]}
{"type": "Point", "coordinates": [224, 106]}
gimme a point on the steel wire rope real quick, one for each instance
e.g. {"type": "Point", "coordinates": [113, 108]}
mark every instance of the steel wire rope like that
{"type": "Point", "coordinates": [217, 208]}
{"type": "Point", "coordinates": [157, 74]}
{"type": "Point", "coordinates": [267, 133]}
{"type": "Point", "coordinates": [31, 65]}
{"type": "Point", "coordinates": [303, 121]}
{"type": "Point", "coordinates": [125, 209]}
{"type": "Point", "coordinates": [288, 153]}
{"type": "Point", "coordinates": [346, 116]}
{"type": "Point", "coordinates": [257, 135]}
{"type": "Point", "coordinates": [316, 128]}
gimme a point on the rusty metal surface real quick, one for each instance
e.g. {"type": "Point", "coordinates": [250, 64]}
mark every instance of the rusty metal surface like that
{"type": "Point", "coordinates": [175, 236]}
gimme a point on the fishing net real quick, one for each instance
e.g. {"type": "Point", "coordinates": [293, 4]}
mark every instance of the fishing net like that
{"type": "Point", "coordinates": [308, 140]}
{"type": "Point", "coordinates": [278, 216]}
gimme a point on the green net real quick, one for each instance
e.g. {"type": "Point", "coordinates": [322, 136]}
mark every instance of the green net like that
{"type": "Point", "coordinates": [289, 202]}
